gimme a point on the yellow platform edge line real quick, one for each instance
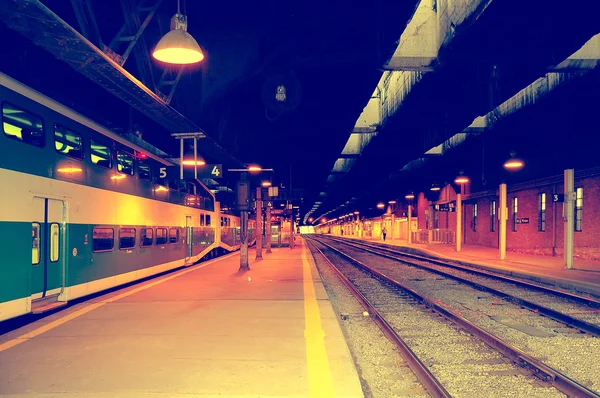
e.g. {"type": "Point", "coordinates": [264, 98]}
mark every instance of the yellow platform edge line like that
{"type": "Point", "coordinates": [319, 373]}
{"type": "Point", "coordinates": [92, 306]}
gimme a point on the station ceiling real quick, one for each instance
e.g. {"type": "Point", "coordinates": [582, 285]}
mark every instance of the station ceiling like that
{"type": "Point", "coordinates": [329, 56]}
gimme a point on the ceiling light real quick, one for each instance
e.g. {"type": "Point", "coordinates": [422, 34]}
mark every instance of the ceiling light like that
{"type": "Point", "coordinates": [514, 164]}
{"type": "Point", "coordinates": [178, 46]}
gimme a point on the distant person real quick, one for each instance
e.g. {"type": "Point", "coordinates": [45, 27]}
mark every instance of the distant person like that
{"type": "Point", "coordinates": [384, 233]}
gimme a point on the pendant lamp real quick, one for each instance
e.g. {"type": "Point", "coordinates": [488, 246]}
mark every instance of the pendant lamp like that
{"type": "Point", "coordinates": [178, 46]}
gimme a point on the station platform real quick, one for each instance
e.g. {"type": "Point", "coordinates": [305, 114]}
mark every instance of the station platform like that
{"type": "Point", "coordinates": [583, 277]}
{"type": "Point", "coordinates": [203, 331]}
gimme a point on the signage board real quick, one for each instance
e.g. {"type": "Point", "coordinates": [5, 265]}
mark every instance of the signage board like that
{"type": "Point", "coordinates": [446, 207]}
{"type": "Point", "coordinates": [204, 171]}
{"type": "Point", "coordinates": [524, 220]}
{"type": "Point", "coordinates": [558, 198]}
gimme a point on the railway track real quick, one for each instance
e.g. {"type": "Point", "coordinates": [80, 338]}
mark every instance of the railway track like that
{"type": "Point", "coordinates": [463, 358]}
{"type": "Point", "coordinates": [571, 309]}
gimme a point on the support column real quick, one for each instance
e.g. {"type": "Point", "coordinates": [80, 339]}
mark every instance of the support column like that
{"type": "Point", "coordinates": [268, 229]}
{"type": "Point", "coordinates": [458, 222]}
{"type": "Point", "coordinates": [259, 229]}
{"type": "Point", "coordinates": [244, 241]}
{"type": "Point", "coordinates": [569, 225]}
{"type": "Point", "coordinates": [292, 230]}
{"type": "Point", "coordinates": [409, 221]}
{"type": "Point", "coordinates": [503, 215]}
{"type": "Point", "coordinates": [392, 227]}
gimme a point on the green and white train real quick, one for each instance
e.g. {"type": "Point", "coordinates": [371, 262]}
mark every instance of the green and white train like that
{"type": "Point", "coordinates": [83, 209]}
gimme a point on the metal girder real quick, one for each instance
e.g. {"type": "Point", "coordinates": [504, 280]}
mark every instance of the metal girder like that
{"type": "Point", "coordinates": [87, 21]}
{"type": "Point", "coordinates": [131, 33]}
{"type": "Point", "coordinates": [170, 78]}
{"type": "Point", "coordinates": [38, 23]}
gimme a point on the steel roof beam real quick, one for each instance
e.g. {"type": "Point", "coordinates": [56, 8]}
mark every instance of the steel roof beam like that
{"type": "Point", "coordinates": [87, 21]}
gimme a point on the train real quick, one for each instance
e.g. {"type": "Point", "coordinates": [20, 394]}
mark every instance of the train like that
{"type": "Point", "coordinates": [84, 209]}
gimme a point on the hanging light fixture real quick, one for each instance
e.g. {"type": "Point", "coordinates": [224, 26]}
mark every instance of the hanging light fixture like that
{"type": "Point", "coordinates": [178, 46]}
{"type": "Point", "coordinates": [409, 196]}
{"type": "Point", "coordinates": [514, 164]}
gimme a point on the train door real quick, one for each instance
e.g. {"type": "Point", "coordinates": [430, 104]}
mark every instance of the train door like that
{"type": "Point", "coordinates": [47, 252]}
{"type": "Point", "coordinates": [190, 235]}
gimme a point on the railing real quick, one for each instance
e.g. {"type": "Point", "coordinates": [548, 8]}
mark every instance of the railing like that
{"type": "Point", "coordinates": [433, 236]}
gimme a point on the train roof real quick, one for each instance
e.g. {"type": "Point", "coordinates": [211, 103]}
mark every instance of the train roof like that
{"type": "Point", "coordinates": [129, 139]}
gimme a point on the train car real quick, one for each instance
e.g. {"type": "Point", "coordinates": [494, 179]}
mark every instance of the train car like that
{"type": "Point", "coordinates": [83, 209]}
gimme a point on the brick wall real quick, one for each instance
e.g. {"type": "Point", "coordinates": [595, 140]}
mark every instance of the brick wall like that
{"type": "Point", "coordinates": [528, 238]}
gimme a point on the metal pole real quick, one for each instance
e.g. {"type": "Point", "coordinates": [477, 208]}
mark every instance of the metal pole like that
{"type": "Point", "coordinates": [268, 229]}
{"type": "Point", "coordinates": [196, 158]}
{"type": "Point", "coordinates": [292, 229]}
{"type": "Point", "coordinates": [244, 241]}
{"type": "Point", "coordinates": [503, 216]}
{"type": "Point", "coordinates": [408, 222]}
{"type": "Point", "coordinates": [181, 158]}
{"type": "Point", "coordinates": [569, 225]}
{"type": "Point", "coordinates": [244, 234]}
{"type": "Point", "coordinates": [259, 228]}
{"type": "Point", "coordinates": [458, 222]}
{"type": "Point", "coordinates": [393, 222]}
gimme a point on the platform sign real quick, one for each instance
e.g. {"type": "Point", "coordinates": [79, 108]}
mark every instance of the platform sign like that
{"type": "Point", "coordinates": [558, 198]}
{"type": "Point", "coordinates": [446, 207]}
{"type": "Point", "coordinates": [204, 171]}
{"type": "Point", "coordinates": [523, 220]}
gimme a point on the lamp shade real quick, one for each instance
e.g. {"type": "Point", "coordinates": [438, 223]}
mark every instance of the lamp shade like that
{"type": "Point", "coordinates": [178, 47]}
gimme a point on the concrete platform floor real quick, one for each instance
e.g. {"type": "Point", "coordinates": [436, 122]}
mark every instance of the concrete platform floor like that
{"type": "Point", "coordinates": [205, 331]}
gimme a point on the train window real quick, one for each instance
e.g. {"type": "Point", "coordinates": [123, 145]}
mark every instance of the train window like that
{"type": "Point", "coordinates": [578, 209]}
{"type": "Point", "coordinates": [173, 235]}
{"type": "Point", "coordinates": [144, 170]}
{"type": "Point", "coordinates": [146, 237]}
{"type": "Point", "coordinates": [35, 243]}
{"type": "Point", "coordinates": [67, 142]}
{"type": "Point", "coordinates": [103, 239]}
{"type": "Point", "coordinates": [22, 125]}
{"type": "Point", "coordinates": [161, 236]}
{"type": "Point", "coordinates": [100, 154]}
{"type": "Point", "coordinates": [54, 242]}
{"type": "Point", "coordinates": [208, 220]}
{"type": "Point", "coordinates": [125, 163]}
{"type": "Point", "coordinates": [201, 220]}
{"type": "Point", "coordinates": [126, 238]}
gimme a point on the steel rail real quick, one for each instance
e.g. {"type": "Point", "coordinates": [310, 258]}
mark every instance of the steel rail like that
{"type": "Point", "coordinates": [549, 312]}
{"type": "Point", "coordinates": [470, 268]}
{"type": "Point", "coordinates": [537, 368]}
{"type": "Point", "coordinates": [427, 379]}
